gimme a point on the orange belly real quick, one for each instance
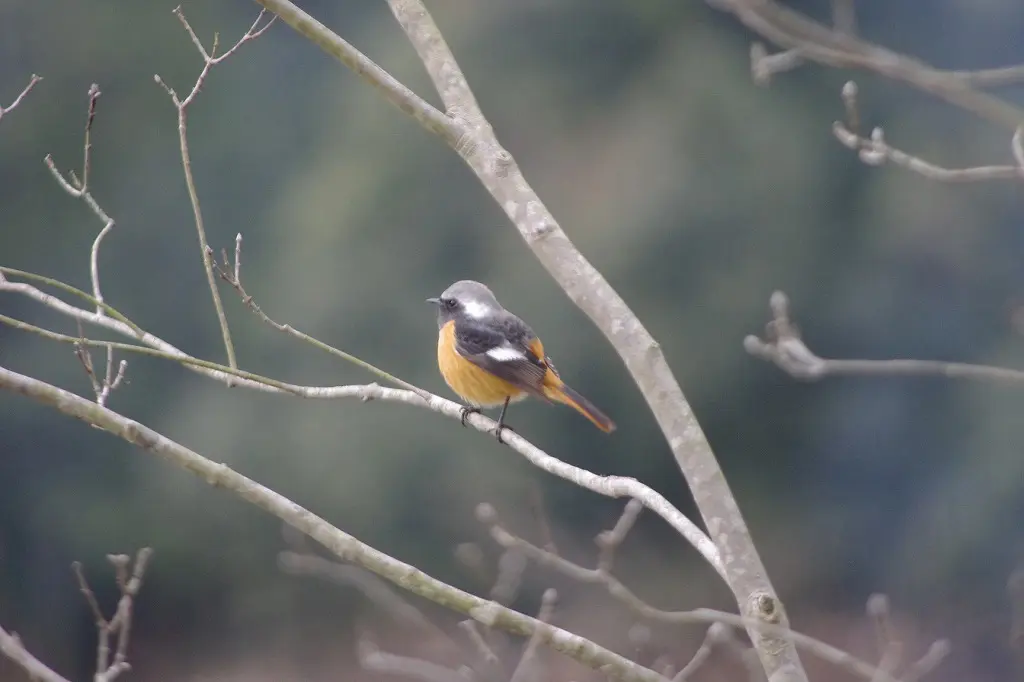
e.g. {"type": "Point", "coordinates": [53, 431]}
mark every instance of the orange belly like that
{"type": "Point", "coordinates": [476, 386]}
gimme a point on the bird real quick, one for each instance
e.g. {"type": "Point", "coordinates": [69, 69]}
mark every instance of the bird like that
{"type": "Point", "coordinates": [490, 357]}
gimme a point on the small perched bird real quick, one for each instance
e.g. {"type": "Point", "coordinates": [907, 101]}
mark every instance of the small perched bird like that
{"type": "Point", "coordinates": [490, 357]}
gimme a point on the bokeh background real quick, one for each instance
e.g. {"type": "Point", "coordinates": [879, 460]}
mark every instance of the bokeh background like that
{"type": "Point", "coordinates": [696, 192]}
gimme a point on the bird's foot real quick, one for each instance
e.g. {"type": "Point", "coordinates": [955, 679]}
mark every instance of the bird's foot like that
{"type": "Point", "coordinates": [466, 411]}
{"type": "Point", "coordinates": [502, 427]}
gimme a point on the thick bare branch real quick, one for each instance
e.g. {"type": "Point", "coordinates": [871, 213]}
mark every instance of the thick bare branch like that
{"type": "Point", "coordinates": [591, 292]}
{"type": "Point", "coordinates": [339, 543]}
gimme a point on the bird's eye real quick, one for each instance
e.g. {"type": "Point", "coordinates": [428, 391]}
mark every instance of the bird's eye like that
{"type": "Point", "coordinates": [450, 303]}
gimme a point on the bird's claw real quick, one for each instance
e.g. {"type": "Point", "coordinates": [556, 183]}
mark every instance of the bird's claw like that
{"type": "Point", "coordinates": [466, 411]}
{"type": "Point", "coordinates": [497, 432]}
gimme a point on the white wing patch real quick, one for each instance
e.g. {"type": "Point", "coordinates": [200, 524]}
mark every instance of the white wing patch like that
{"type": "Point", "coordinates": [505, 354]}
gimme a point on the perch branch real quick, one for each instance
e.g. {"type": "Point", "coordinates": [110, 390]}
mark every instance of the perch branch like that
{"type": "Point", "coordinates": [476, 144]}
{"type": "Point", "coordinates": [611, 486]}
{"type": "Point", "coordinates": [339, 543]}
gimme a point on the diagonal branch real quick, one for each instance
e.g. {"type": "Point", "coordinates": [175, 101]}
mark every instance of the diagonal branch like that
{"type": "Point", "coordinates": [24, 91]}
{"type": "Point", "coordinates": [12, 648]}
{"type": "Point", "coordinates": [591, 292]}
{"type": "Point", "coordinates": [339, 543]}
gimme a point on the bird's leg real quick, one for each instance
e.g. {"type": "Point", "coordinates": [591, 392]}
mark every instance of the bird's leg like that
{"type": "Point", "coordinates": [466, 411]}
{"type": "Point", "coordinates": [501, 420]}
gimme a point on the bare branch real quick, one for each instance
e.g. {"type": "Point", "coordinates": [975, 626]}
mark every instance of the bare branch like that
{"type": "Point", "coordinates": [717, 632]}
{"type": "Point", "coordinates": [473, 139]}
{"type": "Point", "coordinates": [387, 85]}
{"type": "Point", "coordinates": [487, 515]}
{"type": "Point", "coordinates": [764, 66]}
{"type": "Point", "coordinates": [79, 189]}
{"type": "Point", "coordinates": [610, 540]}
{"type": "Point", "coordinates": [511, 567]}
{"type": "Point", "coordinates": [890, 649]}
{"type": "Point", "coordinates": [231, 273]}
{"type": "Point", "coordinates": [372, 658]}
{"type": "Point", "coordinates": [783, 346]}
{"type": "Point", "coordinates": [339, 543]}
{"type": "Point", "coordinates": [120, 624]}
{"type": "Point", "coordinates": [487, 658]}
{"type": "Point", "coordinates": [209, 61]}
{"type": "Point", "coordinates": [789, 29]}
{"type": "Point", "coordinates": [17, 100]}
{"type": "Point", "coordinates": [527, 662]}
{"type": "Point", "coordinates": [371, 587]}
{"type": "Point", "coordinates": [12, 648]}
{"type": "Point", "coordinates": [931, 660]}
{"type": "Point", "coordinates": [875, 151]}
{"type": "Point", "coordinates": [609, 486]}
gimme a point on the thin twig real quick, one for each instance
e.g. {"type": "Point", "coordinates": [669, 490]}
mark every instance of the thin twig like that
{"type": "Point", "coordinates": [717, 633]}
{"type": "Point", "coordinates": [210, 59]}
{"type": "Point", "coordinates": [609, 541]}
{"type": "Point", "coordinates": [231, 273]}
{"type": "Point", "coordinates": [934, 657]}
{"type": "Point", "coordinates": [371, 658]}
{"type": "Point", "coordinates": [783, 346]}
{"type": "Point", "coordinates": [129, 582]}
{"type": "Point", "coordinates": [17, 100]}
{"type": "Point", "coordinates": [889, 647]}
{"type": "Point", "coordinates": [371, 587]}
{"type": "Point", "coordinates": [524, 670]}
{"type": "Point", "coordinates": [79, 189]}
{"type": "Point", "coordinates": [488, 660]}
{"type": "Point", "coordinates": [875, 151]}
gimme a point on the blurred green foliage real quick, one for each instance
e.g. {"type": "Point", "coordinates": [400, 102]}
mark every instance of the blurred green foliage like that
{"type": "Point", "coordinates": [695, 192]}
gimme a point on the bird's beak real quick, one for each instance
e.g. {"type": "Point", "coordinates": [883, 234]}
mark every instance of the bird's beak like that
{"type": "Point", "coordinates": [435, 301]}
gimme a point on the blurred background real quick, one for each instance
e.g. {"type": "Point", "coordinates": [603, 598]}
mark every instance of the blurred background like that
{"type": "Point", "coordinates": [696, 193]}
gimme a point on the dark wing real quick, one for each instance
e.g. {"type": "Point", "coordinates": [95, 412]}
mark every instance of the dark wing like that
{"type": "Point", "coordinates": [503, 347]}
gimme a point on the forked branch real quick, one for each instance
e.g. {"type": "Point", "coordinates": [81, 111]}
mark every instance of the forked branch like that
{"type": "Point", "coordinates": [471, 136]}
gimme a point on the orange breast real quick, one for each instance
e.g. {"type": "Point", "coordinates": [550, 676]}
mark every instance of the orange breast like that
{"type": "Point", "coordinates": [476, 386]}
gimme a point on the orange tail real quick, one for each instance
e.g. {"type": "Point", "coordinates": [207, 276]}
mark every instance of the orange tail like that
{"type": "Point", "coordinates": [567, 396]}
